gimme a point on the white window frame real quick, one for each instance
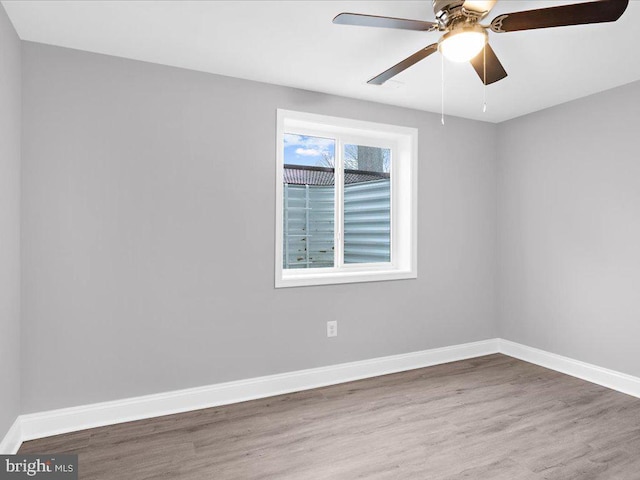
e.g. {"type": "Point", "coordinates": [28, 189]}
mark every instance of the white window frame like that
{"type": "Point", "coordinates": [403, 142]}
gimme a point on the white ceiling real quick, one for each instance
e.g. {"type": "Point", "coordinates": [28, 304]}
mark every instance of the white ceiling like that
{"type": "Point", "coordinates": [294, 43]}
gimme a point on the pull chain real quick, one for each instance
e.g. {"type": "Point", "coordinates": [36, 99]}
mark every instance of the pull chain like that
{"type": "Point", "coordinates": [442, 92]}
{"type": "Point", "coordinates": [484, 105]}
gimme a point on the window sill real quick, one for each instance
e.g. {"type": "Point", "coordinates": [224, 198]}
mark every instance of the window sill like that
{"type": "Point", "coordinates": [298, 279]}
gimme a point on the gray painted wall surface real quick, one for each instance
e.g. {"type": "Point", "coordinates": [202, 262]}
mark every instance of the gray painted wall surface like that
{"type": "Point", "coordinates": [9, 224]}
{"type": "Point", "coordinates": [141, 182]}
{"type": "Point", "coordinates": [569, 222]}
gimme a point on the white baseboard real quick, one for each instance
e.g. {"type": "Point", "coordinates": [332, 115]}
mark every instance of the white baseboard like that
{"type": "Point", "coordinates": [592, 373]}
{"type": "Point", "coordinates": [12, 440]}
{"type": "Point", "coordinates": [54, 422]}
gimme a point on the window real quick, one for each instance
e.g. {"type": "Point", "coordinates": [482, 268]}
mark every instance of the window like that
{"type": "Point", "coordinates": [346, 200]}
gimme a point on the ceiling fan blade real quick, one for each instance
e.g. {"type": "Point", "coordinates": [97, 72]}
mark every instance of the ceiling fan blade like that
{"type": "Point", "coordinates": [576, 14]}
{"type": "Point", "coordinates": [385, 22]}
{"type": "Point", "coordinates": [404, 64]}
{"type": "Point", "coordinates": [495, 70]}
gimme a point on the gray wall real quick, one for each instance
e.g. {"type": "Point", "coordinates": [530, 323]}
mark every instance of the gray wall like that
{"type": "Point", "coordinates": [569, 223]}
{"type": "Point", "coordinates": [148, 225]}
{"type": "Point", "coordinates": [9, 224]}
{"type": "Point", "coordinates": [139, 181]}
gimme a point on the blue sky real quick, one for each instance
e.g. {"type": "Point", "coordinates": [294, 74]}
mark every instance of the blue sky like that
{"type": "Point", "coordinates": [305, 150]}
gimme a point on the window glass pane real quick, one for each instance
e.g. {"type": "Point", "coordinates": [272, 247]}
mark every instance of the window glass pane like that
{"type": "Point", "coordinates": [367, 204]}
{"type": "Point", "coordinates": [309, 197]}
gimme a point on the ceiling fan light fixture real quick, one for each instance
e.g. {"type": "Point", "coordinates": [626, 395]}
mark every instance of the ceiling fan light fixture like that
{"type": "Point", "coordinates": [463, 44]}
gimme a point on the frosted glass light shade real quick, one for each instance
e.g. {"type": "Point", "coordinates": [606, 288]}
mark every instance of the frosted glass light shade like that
{"type": "Point", "coordinates": [462, 45]}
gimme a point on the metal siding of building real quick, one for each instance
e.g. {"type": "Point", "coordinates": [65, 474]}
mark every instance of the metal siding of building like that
{"type": "Point", "coordinates": [309, 224]}
{"type": "Point", "coordinates": [367, 222]}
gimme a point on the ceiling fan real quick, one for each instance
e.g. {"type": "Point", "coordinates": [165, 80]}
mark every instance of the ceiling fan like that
{"type": "Point", "coordinates": [466, 39]}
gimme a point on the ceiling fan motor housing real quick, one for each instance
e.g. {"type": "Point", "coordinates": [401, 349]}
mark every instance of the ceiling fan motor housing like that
{"type": "Point", "coordinates": [444, 5]}
{"type": "Point", "coordinates": [449, 13]}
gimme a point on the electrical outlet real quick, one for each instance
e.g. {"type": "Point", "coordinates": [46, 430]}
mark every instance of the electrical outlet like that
{"type": "Point", "coordinates": [332, 328]}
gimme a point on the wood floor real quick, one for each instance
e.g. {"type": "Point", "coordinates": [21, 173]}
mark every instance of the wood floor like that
{"type": "Point", "coordinates": [490, 418]}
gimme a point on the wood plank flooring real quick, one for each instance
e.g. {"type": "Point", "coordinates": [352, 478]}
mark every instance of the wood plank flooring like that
{"type": "Point", "coordinates": [489, 418]}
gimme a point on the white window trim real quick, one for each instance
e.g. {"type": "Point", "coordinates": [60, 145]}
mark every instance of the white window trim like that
{"type": "Point", "coordinates": [404, 199]}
